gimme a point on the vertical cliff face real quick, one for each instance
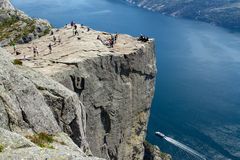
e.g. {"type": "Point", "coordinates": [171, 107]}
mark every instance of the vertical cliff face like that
{"type": "Point", "coordinates": [115, 85]}
{"type": "Point", "coordinates": [32, 103]}
{"type": "Point", "coordinates": [116, 92]}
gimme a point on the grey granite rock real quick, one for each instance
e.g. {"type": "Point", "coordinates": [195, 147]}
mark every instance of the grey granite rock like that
{"type": "Point", "coordinates": [116, 86]}
{"type": "Point", "coordinates": [17, 147]}
{"type": "Point", "coordinates": [5, 4]}
{"type": "Point", "coordinates": [31, 102]}
{"type": "Point", "coordinates": [17, 27]}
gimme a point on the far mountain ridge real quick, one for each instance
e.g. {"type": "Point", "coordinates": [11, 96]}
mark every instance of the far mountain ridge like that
{"type": "Point", "coordinates": [223, 13]}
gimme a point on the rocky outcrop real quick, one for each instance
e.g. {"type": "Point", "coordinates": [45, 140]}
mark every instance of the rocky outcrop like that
{"type": "Point", "coordinates": [33, 103]}
{"type": "Point", "coordinates": [17, 147]}
{"type": "Point", "coordinates": [17, 27]}
{"type": "Point", "coordinates": [5, 4]}
{"type": "Point", "coordinates": [152, 152]}
{"type": "Point", "coordinates": [115, 85]}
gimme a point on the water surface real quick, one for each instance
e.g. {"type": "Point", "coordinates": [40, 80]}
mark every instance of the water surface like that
{"type": "Point", "coordinates": [198, 82]}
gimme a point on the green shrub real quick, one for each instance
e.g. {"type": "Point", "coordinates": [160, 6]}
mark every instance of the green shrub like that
{"type": "Point", "coordinates": [17, 62]}
{"type": "Point", "coordinates": [43, 140]}
{"type": "Point", "coordinates": [1, 148]}
{"type": "Point", "coordinates": [47, 31]}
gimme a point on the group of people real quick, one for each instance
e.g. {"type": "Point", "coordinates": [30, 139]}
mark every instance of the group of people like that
{"type": "Point", "coordinates": [55, 39]}
{"type": "Point", "coordinates": [75, 31]}
{"type": "Point", "coordinates": [143, 38]}
{"type": "Point", "coordinates": [109, 42]}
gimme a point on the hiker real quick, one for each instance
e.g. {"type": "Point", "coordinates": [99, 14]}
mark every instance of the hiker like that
{"type": "Point", "coordinates": [112, 39]}
{"type": "Point", "coordinates": [76, 33]}
{"type": "Point", "coordinates": [140, 38]}
{"type": "Point", "coordinates": [14, 49]}
{"type": "Point", "coordinates": [54, 39]}
{"type": "Point", "coordinates": [98, 37]}
{"type": "Point", "coordinates": [111, 43]}
{"type": "Point", "coordinates": [72, 24]}
{"type": "Point", "coordinates": [36, 48]}
{"type": "Point", "coordinates": [50, 48]}
{"type": "Point", "coordinates": [115, 37]}
{"type": "Point", "coordinates": [34, 51]}
{"type": "Point", "coordinates": [75, 27]}
{"type": "Point", "coordinates": [59, 39]}
{"type": "Point", "coordinates": [51, 33]}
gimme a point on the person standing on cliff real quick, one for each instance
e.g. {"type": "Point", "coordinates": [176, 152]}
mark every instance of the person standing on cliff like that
{"type": "Point", "coordinates": [72, 24]}
{"type": "Point", "coordinates": [59, 39]}
{"type": "Point", "coordinates": [50, 48]}
{"type": "Point", "coordinates": [75, 27]}
{"type": "Point", "coordinates": [116, 37]}
{"type": "Point", "coordinates": [54, 39]}
{"type": "Point", "coordinates": [14, 49]}
{"type": "Point", "coordinates": [35, 51]}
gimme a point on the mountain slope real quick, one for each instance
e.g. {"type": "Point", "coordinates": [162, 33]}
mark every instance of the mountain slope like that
{"type": "Point", "coordinates": [17, 27]}
{"type": "Point", "coordinates": [224, 13]}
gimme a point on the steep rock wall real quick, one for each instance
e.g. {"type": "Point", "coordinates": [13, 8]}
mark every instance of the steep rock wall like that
{"type": "Point", "coordinates": [116, 85]}
{"type": "Point", "coordinates": [116, 92]}
{"type": "Point", "coordinates": [33, 103]}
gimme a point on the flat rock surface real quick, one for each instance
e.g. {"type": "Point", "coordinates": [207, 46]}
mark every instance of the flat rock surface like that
{"type": "Point", "coordinates": [72, 49]}
{"type": "Point", "coordinates": [18, 147]}
{"type": "Point", "coordinates": [115, 85]}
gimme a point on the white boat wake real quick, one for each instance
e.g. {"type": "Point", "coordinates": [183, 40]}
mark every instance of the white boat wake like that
{"type": "Point", "coordinates": [181, 146]}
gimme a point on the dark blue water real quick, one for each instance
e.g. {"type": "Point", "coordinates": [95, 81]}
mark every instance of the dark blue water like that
{"type": "Point", "coordinates": [197, 99]}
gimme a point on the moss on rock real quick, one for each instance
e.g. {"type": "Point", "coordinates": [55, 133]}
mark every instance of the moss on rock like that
{"type": "Point", "coordinates": [43, 140]}
{"type": "Point", "coordinates": [1, 148]}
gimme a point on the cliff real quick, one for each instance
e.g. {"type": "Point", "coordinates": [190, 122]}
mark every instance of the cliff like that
{"type": "Point", "coordinates": [17, 27]}
{"type": "Point", "coordinates": [31, 103]}
{"type": "Point", "coordinates": [98, 95]}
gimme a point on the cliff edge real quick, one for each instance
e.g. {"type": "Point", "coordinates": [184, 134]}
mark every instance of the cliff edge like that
{"type": "Point", "coordinates": [115, 85]}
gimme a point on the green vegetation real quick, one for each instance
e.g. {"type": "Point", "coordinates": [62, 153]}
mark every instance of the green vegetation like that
{"type": "Point", "coordinates": [1, 148]}
{"type": "Point", "coordinates": [47, 31]}
{"type": "Point", "coordinates": [17, 62]}
{"type": "Point", "coordinates": [152, 151]}
{"type": "Point", "coordinates": [43, 140]}
{"type": "Point", "coordinates": [25, 31]}
{"type": "Point", "coordinates": [17, 27]}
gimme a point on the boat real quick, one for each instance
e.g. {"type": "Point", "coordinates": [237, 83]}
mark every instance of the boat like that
{"type": "Point", "coordinates": [160, 134]}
